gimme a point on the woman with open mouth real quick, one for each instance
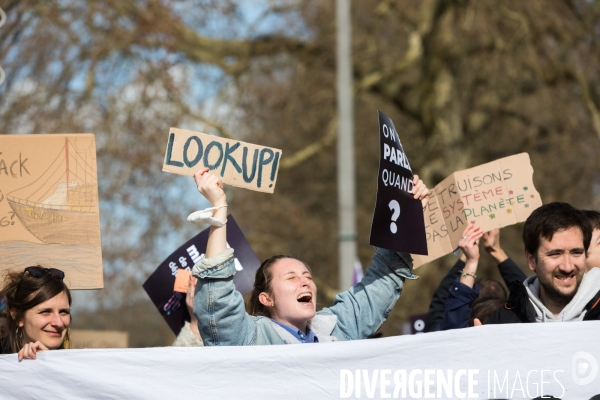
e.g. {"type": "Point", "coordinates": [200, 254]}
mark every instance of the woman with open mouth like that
{"type": "Point", "coordinates": [283, 302]}
{"type": "Point", "coordinates": [38, 311]}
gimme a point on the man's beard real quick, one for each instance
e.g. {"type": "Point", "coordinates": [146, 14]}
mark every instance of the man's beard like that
{"type": "Point", "coordinates": [554, 294]}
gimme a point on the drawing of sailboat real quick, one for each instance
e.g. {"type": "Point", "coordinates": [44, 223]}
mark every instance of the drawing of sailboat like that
{"type": "Point", "coordinates": [61, 206]}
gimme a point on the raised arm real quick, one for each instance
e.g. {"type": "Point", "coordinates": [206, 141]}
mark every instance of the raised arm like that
{"type": "Point", "coordinates": [211, 187]}
{"type": "Point", "coordinates": [469, 245]}
{"type": "Point", "coordinates": [463, 290]}
{"type": "Point", "coordinates": [509, 270]}
{"type": "Point", "coordinates": [218, 306]}
{"type": "Point", "coordinates": [361, 310]}
{"type": "Point", "coordinates": [437, 307]}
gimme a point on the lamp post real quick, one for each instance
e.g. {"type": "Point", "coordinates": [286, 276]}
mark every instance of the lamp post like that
{"type": "Point", "coordinates": [347, 251]}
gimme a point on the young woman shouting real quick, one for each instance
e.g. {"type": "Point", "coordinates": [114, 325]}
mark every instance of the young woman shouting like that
{"type": "Point", "coordinates": [283, 302]}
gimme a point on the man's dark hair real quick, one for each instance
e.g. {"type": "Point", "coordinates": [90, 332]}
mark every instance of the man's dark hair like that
{"type": "Point", "coordinates": [593, 217]}
{"type": "Point", "coordinates": [550, 218]}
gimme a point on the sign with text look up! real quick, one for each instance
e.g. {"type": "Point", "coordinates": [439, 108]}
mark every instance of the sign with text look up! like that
{"type": "Point", "coordinates": [237, 163]}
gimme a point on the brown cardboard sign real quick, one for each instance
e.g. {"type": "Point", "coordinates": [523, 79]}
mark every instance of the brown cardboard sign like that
{"type": "Point", "coordinates": [494, 195]}
{"type": "Point", "coordinates": [90, 339]}
{"type": "Point", "coordinates": [238, 163]}
{"type": "Point", "coordinates": [49, 206]}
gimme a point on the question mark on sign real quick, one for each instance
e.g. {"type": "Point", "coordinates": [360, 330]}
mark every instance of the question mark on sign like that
{"type": "Point", "coordinates": [396, 207]}
{"type": "Point", "coordinates": [11, 217]}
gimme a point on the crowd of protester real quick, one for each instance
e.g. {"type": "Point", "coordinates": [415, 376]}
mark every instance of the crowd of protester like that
{"type": "Point", "coordinates": [562, 248]}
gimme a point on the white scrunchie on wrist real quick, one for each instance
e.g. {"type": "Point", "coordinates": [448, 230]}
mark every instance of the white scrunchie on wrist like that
{"type": "Point", "coordinates": [206, 217]}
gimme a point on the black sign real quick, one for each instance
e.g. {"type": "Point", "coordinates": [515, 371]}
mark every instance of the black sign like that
{"type": "Point", "coordinates": [159, 285]}
{"type": "Point", "coordinates": [398, 222]}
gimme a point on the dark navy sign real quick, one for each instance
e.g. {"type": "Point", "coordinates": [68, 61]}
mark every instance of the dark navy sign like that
{"type": "Point", "coordinates": [159, 285]}
{"type": "Point", "coordinates": [398, 222]}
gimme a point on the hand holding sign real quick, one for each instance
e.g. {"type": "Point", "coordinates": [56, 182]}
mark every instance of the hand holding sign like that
{"type": "Point", "coordinates": [420, 191]}
{"type": "Point", "coordinates": [491, 244]}
{"type": "Point", "coordinates": [211, 187]}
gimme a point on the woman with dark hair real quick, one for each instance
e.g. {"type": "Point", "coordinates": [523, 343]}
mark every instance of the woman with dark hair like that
{"type": "Point", "coordinates": [38, 311]}
{"type": "Point", "coordinates": [282, 307]}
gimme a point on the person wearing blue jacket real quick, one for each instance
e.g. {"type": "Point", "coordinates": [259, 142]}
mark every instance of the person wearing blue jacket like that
{"type": "Point", "coordinates": [451, 304]}
{"type": "Point", "coordinates": [284, 296]}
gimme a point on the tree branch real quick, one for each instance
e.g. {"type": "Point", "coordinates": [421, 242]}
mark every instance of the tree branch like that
{"type": "Point", "coordinates": [587, 99]}
{"type": "Point", "coordinates": [302, 155]}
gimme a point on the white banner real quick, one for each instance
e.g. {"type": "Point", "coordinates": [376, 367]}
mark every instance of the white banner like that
{"type": "Point", "coordinates": [519, 361]}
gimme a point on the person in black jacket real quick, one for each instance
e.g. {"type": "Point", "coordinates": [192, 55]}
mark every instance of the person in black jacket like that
{"type": "Point", "coordinates": [451, 303]}
{"type": "Point", "coordinates": [556, 238]}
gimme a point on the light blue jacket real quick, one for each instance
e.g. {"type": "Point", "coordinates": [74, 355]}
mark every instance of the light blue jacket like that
{"type": "Point", "coordinates": [355, 314]}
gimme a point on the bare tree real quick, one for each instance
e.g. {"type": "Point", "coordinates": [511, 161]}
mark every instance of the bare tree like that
{"type": "Point", "coordinates": [465, 82]}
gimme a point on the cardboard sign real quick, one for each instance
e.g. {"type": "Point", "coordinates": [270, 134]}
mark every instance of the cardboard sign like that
{"type": "Point", "coordinates": [494, 195]}
{"type": "Point", "coordinates": [159, 285]}
{"type": "Point", "coordinates": [238, 163]}
{"type": "Point", "coordinates": [398, 219]}
{"type": "Point", "coordinates": [49, 206]}
{"type": "Point", "coordinates": [90, 339]}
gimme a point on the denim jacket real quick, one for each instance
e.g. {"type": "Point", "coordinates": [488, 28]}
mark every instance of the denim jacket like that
{"type": "Point", "coordinates": [355, 314]}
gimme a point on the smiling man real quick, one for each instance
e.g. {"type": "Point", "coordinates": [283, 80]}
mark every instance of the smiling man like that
{"type": "Point", "coordinates": [556, 238]}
